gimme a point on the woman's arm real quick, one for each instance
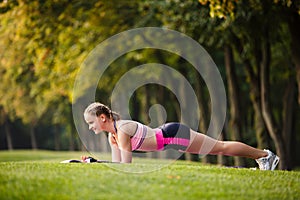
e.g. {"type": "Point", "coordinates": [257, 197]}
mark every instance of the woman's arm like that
{"type": "Point", "coordinates": [125, 147]}
{"type": "Point", "coordinates": [115, 151]}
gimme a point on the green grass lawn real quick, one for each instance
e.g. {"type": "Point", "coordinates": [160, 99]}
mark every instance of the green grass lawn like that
{"type": "Point", "coordinates": [39, 175]}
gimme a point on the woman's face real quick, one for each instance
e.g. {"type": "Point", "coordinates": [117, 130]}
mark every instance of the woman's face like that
{"type": "Point", "coordinates": [95, 123]}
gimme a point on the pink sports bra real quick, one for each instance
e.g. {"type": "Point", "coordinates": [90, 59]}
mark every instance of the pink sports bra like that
{"type": "Point", "coordinates": [138, 138]}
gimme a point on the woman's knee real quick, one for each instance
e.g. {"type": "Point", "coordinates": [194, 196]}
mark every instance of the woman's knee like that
{"type": "Point", "coordinates": [219, 148]}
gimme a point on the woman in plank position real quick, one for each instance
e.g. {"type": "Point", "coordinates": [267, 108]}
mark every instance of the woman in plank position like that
{"type": "Point", "coordinates": [126, 136]}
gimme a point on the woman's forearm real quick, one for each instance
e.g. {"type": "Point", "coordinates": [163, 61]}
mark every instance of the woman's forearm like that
{"type": "Point", "coordinates": [126, 156]}
{"type": "Point", "coordinates": [115, 154]}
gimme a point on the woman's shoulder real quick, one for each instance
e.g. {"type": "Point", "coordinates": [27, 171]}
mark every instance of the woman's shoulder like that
{"type": "Point", "coordinates": [127, 126]}
{"type": "Point", "coordinates": [123, 122]}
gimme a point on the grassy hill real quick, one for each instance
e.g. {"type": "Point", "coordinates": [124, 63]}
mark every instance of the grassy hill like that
{"type": "Point", "coordinates": [39, 175]}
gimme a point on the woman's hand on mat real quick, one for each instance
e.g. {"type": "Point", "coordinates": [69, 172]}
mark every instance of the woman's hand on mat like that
{"type": "Point", "coordinates": [83, 158]}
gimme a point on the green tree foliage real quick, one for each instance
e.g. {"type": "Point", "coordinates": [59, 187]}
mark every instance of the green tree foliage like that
{"type": "Point", "coordinates": [43, 44]}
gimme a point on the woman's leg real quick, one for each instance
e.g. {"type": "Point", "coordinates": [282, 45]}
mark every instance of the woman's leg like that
{"type": "Point", "coordinates": [203, 144]}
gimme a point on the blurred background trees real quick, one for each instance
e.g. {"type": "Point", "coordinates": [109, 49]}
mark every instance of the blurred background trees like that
{"type": "Point", "coordinates": [255, 44]}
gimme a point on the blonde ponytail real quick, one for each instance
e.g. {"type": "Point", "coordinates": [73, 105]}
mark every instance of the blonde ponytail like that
{"type": "Point", "coordinates": [97, 109]}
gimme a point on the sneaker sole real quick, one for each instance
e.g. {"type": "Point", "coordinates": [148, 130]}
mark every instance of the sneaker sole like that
{"type": "Point", "coordinates": [275, 162]}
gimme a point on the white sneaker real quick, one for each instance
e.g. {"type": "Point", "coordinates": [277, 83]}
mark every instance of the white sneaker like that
{"type": "Point", "coordinates": [269, 162]}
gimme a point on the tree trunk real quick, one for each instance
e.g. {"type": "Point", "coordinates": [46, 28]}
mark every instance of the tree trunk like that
{"type": "Point", "coordinates": [204, 116]}
{"type": "Point", "coordinates": [259, 126]}
{"type": "Point", "coordinates": [287, 122]}
{"type": "Point", "coordinates": [71, 138]}
{"type": "Point", "coordinates": [295, 46]}
{"type": "Point", "coordinates": [161, 117]}
{"type": "Point", "coordinates": [8, 135]}
{"type": "Point", "coordinates": [56, 137]}
{"type": "Point", "coordinates": [268, 117]}
{"type": "Point", "coordinates": [147, 103]}
{"type": "Point", "coordinates": [33, 137]}
{"type": "Point", "coordinates": [135, 107]}
{"type": "Point", "coordinates": [235, 121]}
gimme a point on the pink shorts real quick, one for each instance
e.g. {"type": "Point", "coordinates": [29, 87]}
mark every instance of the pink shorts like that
{"type": "Point", "coordinates": [173, 136]}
